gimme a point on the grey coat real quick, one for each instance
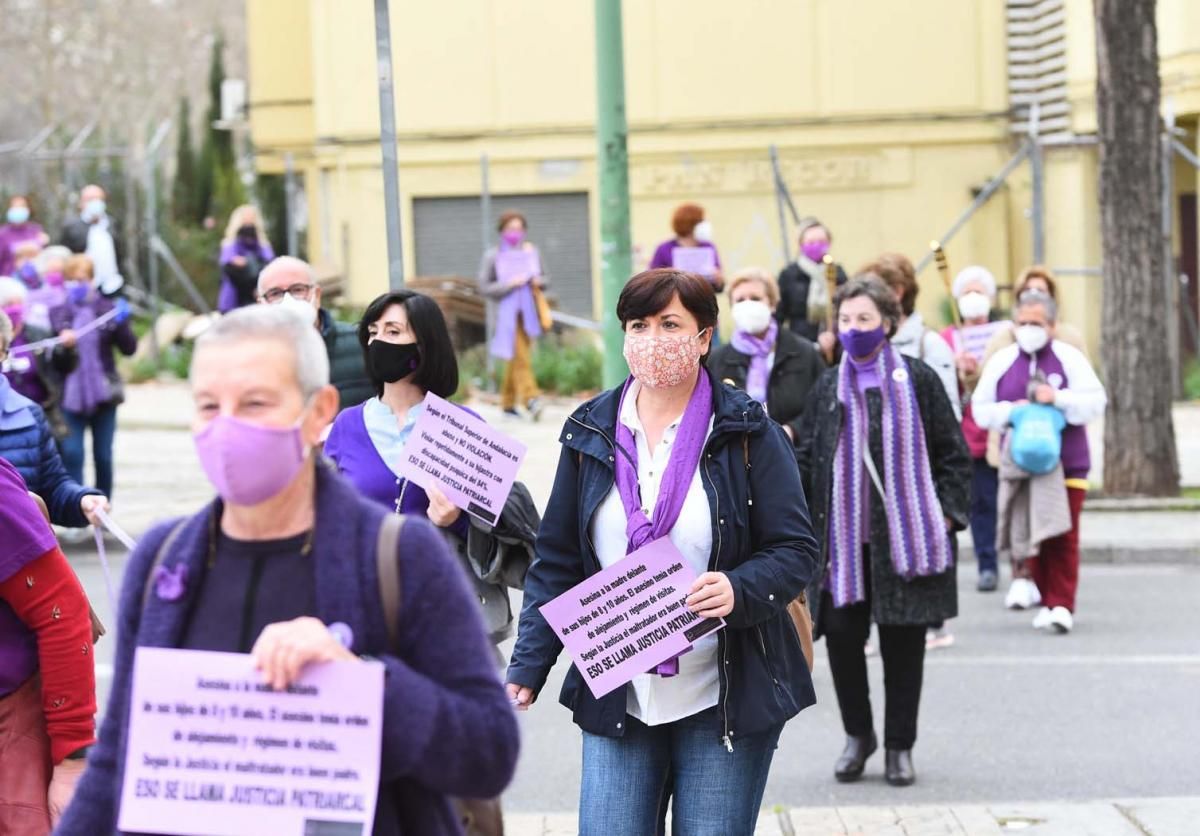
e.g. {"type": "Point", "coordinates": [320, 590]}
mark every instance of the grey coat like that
{"type": "Point", "coordinates": [923, 600]}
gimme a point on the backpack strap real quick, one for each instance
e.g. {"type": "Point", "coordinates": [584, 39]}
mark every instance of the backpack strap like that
{"type": "Point", "coordinates": [386, 549]}
{"type": "Point", "coordinates": [167, 543]}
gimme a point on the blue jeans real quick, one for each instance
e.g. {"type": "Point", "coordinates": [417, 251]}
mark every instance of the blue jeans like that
{"type": "Point", "coordinates": [628, 780]}
{"type": "Point", "coordinates": [103, 423]}
{"type": "Point", "coordinates": [984, 484]}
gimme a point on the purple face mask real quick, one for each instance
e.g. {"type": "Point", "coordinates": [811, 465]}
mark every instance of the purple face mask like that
{"type": "Point", "coordinates": [859, 344]}
{"type": "Point", "coordinates": [513, 237]}
{"type": "Point", "coordinates": [249, 463]}
{"type": "Point", "coordinates": [815, 250]}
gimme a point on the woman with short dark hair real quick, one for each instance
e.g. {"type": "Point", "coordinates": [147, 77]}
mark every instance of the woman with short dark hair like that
{"type": "Point", "coordinates": [672, 454]}
{"type": "Point", "coordinates": [888, 474]}
{"type": "Point", "coordinates": [408, 353]}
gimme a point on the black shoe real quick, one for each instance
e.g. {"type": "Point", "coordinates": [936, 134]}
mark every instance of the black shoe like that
{"type": "Point", "coordinates": [850, 765]}
{"type": "Point", "coordinates": [898, 770]}
{"type": "Point", "coordinates": [512, 410]}
{"type": "Point", "coordinates": [988, 581]}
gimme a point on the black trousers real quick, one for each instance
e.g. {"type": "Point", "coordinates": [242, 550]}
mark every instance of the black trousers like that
{"type": "Point", "coordinates": [902, 648]}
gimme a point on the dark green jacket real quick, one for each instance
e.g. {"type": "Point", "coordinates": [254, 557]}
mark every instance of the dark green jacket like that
{"type": "Point", "coordinates": [347, 370]}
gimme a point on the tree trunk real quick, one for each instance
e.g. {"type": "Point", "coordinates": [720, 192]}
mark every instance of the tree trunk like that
{"type": "Point", "coordinates": [1139, 436]}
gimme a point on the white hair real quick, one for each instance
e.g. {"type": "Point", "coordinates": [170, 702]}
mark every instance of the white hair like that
{"type": "Point", "coordinates": [6, 331]}
{"type": "Point", "coordinates": [275, 322]}
{"type": "Point", "coordinates": [286, 263]}
{"type": "Point", "coordinates": [12, 291]}
{"type": "Point", "coordinates": [970, 275]}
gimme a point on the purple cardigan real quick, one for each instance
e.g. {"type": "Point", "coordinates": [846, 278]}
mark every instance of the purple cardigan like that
{"type": "Point", "coordinates": [349, 446]}
{"type": "Point", "coordinates": [12, 235]}
{"type": "Point", "coordinates": [112, 335]}
{"type": "Point", "coordinates": [448, 729]}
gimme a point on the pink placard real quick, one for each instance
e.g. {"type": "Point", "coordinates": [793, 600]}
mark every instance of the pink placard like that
{"type": "Point", "coordinates": [626, 619]}
{"type": "Point", "coordinates": [974, 339]}
{"type": "Point", "coordinates": [473, 464]}
{"type": "Point", "coordinates": [702, 260]}
{"type": "Point", "coordinates": [514, 264]}
{"type": "Point", "coordinates": [211, 750]}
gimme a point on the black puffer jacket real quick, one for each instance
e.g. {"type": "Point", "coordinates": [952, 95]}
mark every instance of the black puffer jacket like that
{"type": "Point", "coordinates": [894, 600]}
{"type": "Point", "coordinates": [347, 368]}
{"type": "Point", "coordinates": [798, 364]}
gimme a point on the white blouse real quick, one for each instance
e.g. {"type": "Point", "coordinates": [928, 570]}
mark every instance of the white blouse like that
{"type": "Point", "coordinates": [650, 698]}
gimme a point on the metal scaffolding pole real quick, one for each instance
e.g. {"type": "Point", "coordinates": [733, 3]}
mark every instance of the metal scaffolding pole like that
{"type": "Point", "coordinates": [1037, 171]}
{"type": "Point", "coordinates": [289, 197]}
{"type": "Point", "coordinates": [152, 232]}
{"type": "Point", "coordinates": [612, 131]}
{"type": "Point", "coordinates": [387, 144]}
{"type": "Point", "coordinates": [485, 240]}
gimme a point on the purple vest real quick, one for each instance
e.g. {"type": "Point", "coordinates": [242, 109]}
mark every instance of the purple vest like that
{"type": "Point", "coordinates": [1013, 385]}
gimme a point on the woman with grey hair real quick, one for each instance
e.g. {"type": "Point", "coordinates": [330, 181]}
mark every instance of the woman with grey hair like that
{"type": "Point", "coordinates": [292, 566]}
{"type": "Point", "coordinates": [887, 476]}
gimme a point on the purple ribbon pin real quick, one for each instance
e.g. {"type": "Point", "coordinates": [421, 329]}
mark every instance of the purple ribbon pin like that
{"type": "Point", "coordinates": [170, 583]}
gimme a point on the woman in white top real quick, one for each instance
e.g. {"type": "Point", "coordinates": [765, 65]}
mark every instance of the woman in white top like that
{"type": "Point", "coordinates": [672, 454]}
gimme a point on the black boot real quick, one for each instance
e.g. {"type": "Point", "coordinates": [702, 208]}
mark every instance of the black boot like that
{"type": "Point", "coordinates": [899, 770]}
{"type": "Point", "coordinates": [849, 766]}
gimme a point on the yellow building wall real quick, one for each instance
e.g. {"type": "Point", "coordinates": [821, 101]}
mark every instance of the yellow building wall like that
{"type": "Point", "coordinates": [882, 134]}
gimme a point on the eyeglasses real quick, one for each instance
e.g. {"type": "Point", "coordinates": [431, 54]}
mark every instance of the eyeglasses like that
{"type": "Point", "coordinates": [296, 291]}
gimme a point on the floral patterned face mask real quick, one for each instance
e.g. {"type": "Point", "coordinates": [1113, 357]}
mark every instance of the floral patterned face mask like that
{"type": "Point", "coordinates": [663, 361]}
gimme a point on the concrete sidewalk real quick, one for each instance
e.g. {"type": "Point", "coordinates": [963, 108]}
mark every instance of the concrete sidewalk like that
{"type": "Point", "coordinates": [1138, 817]}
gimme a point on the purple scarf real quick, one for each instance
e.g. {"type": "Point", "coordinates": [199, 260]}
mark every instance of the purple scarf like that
{"type": "Point", "coordinates": [677, 478]}
{"type": "Point", "coordinates": [920, 545]}
{"type": "Point", "coordinates": [87, 387]}
{"type": "Point", "coordinates": [759, 349]}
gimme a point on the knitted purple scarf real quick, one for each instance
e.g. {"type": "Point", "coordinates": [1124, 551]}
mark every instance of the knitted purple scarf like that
{"type": "Point", "coordinates": [920, 545]}
{"type": "Point", "coordinates": [677, 478]}
{"type": "Point", "coordinates": [758, 377]}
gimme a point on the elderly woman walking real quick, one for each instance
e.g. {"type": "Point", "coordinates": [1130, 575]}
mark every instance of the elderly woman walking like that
{"type": "Point", "coordinates": [285, 565]}
{"type": "Point", "coordinates": [774, 365]}
{"type": "Point", "coordinates": [887, 474]}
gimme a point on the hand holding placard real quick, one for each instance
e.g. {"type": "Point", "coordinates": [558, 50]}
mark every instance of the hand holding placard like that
{"type": "Point", "coordinates": [471, 463]}
{"type": "Point", "coordinates": [626, 619]}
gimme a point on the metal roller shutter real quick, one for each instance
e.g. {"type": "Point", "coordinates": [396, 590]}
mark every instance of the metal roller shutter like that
{"type": "Point", "coordinates": [446, 234]}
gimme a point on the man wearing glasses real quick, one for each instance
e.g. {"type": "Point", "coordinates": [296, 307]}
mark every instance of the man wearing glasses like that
{"type": "Point", "coordinates": [292, 283]}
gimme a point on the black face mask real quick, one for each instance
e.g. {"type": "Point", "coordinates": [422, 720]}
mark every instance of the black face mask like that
{"type": "Point", "coordinates": [248, 234]}
{"type": "Point", "coordinates": [392, 361]}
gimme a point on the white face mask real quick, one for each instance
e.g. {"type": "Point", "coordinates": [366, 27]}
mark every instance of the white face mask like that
{"type": "Point", "coordinates": [1032, 338]}
{"type": "Point", "coordinates": [751, 316]}
{"type": "Point", "coordinates": [974, 305]}
{"type": "Point", "coordinates": [304, 310]}
{"type": "Point", "coordinates": [703, 232]}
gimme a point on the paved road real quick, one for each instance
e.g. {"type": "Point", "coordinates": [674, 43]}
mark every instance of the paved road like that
{"type": "Point", "coordinates": [1107, 712]}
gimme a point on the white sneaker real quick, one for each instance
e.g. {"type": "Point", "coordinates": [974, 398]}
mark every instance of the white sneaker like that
{"type": "Point", "coordinates": [1022, 595]}
{"type": "Point", "coordinates": [938, 639]}
{"type": "Point", "coordinates": [1043, 619]}
{"type": "Point", "coordinates": [1061, 619]}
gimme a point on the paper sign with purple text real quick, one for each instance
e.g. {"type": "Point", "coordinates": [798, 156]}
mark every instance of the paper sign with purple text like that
{"type": "Point", "coordinates": [626, 619]}
{"type": "Point", "coordinates": [212, 750]}
{"type": "Point", "coordinates": [473, 464]}
{"type": "Point", "coordinates": [702, 260]}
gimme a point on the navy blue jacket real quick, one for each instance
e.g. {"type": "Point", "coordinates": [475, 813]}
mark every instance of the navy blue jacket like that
{"type": "Point", "coordinates": [762, 541]}
{"type": "Point", "coordinates": [32, 451]}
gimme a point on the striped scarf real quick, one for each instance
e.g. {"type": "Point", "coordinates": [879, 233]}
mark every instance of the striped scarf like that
{"type": "Point", "coordinates": [920, 545]}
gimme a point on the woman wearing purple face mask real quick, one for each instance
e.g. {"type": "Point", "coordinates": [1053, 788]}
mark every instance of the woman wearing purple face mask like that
{"type": "Point", "coordinates": [803, 294]}
{"type": "Point", "coordinates": [888, 474]}
{"type": "Point", "coordinates": [508, 274]}
{"type": "Point", "coordinates": [673, 454]}
{"type": "Point", "coordinates": [284, 565]}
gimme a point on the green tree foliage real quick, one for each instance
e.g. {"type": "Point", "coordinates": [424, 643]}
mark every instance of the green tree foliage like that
{"type": "Point", "coordinates": [183, 196]}
{"type": "Point", "coordinates": [218, 186]}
